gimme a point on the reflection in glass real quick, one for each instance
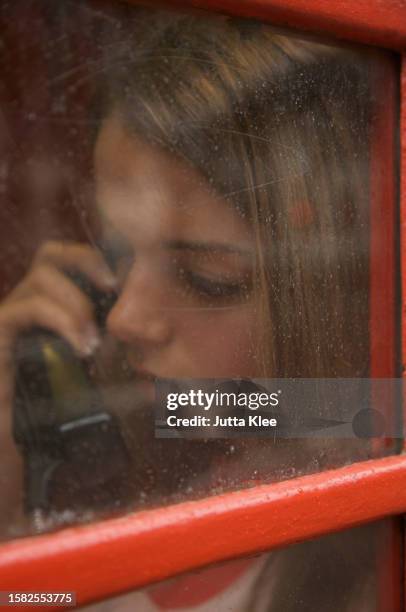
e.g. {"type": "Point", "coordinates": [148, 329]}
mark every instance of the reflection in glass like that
{"type": "Point", "coordinates": [343, 571]}
{"type": "Point", "coordinates": [183, 196]}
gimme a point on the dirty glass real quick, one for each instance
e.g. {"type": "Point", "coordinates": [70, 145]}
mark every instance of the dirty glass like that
{"type": "Point", "coordinates": [346, 571]}
{"type": "Point", "coordinates": [182, 196]}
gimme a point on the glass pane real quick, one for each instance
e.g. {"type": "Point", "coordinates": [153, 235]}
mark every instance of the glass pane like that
{"type": "Point", "coordinates": [183, 196]}
{"type": "Point", "coordinates": [343, 571]}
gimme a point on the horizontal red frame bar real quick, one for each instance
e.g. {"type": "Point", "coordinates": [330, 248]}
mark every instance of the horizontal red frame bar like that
{"type": "Point", "coordinates": [117, 555]}
{"type": "Point", "coordinates": [375, 22]}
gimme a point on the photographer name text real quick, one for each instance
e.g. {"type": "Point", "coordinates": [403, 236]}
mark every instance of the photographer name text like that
{"type": "Point", "coordinates": [254, 420]}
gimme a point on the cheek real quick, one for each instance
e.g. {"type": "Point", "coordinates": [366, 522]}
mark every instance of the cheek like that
{"type": "Point", "coordinates": [222, 344]}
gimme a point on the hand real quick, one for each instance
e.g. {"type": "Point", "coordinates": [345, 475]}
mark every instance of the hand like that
{"type": "Point", "coordinates": [48, 298]}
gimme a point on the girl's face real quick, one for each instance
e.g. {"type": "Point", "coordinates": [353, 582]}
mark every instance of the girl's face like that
{"type": "Point", "coordinates": [184, 262]}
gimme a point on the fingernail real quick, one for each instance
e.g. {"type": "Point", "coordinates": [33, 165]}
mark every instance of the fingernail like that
{"type": "Point", "coordinates": [91, 340]}
{"type": "Point", "coordinates": [109, 278]}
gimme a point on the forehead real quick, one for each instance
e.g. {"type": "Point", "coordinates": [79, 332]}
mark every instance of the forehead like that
{"type": "Point", "coordinates": [142, 188]}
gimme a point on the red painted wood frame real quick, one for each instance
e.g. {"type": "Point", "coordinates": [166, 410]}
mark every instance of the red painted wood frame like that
{"type": "Point", "coordinates": [85, 559]}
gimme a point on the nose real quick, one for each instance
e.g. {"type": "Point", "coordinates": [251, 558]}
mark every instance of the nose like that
{"type": "Point", "coordinates": [138, 314]}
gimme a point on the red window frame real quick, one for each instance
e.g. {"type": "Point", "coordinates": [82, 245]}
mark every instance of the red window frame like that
{"type": "Point", "coordinates": [153, 545]}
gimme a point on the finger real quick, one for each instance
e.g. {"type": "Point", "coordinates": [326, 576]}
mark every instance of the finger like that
{"type": "Point", "coordinates": [43, 312]}
{"type": "Point", "coordinates": [49, 281]}
{"type": "Point", "coordinates": [81, 257]}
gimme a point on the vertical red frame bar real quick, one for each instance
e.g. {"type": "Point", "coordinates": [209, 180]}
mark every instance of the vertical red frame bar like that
{"type": "Point", "coordinates": [383, 217]}
{"type": "Point", "coordinates": [403, 249]}
{"type": "Point", "coordinates": [403, 221]}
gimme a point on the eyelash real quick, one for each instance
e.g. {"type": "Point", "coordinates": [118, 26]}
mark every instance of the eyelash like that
{"type": "Point", "coordinates": [211, 289]}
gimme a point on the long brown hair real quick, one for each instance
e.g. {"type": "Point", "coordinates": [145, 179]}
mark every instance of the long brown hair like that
{"type": "Point", "coordinates": [278, 125]}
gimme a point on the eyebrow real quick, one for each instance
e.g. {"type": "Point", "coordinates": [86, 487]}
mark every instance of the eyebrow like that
{"type": "Point", "coordinates": [208, 247]}
{"type": "Point", "coordinates": [196, 246]}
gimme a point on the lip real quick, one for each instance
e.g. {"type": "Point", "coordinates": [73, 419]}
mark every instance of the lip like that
{"type": "Point", "coordinates": [139, 372]}
{"type": "Point", "coordinates": [144, 380]}
{"type": "Point", "coordinates": [145, 375]}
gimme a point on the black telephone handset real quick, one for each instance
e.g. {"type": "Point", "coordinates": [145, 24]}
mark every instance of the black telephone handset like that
{"type": "Point", "coordinates": [75, 457]}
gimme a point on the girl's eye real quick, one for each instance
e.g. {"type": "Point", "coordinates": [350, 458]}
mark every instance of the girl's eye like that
{"type": "Point", "coordinates": [214, 289]}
